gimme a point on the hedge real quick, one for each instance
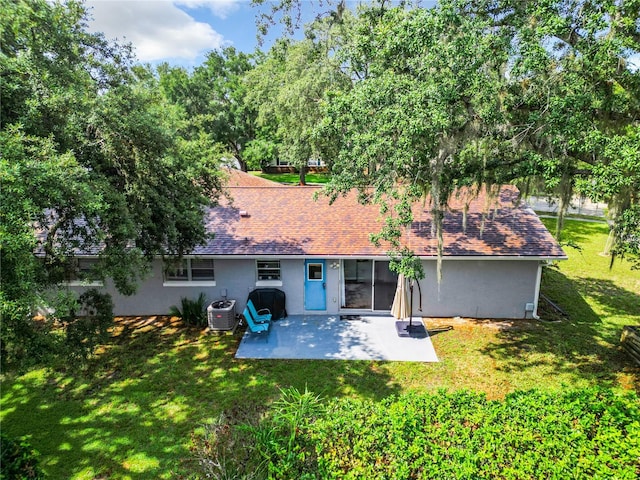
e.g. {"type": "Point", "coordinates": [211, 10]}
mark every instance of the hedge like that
{"type": "Point", "coordinates": [592, 433]}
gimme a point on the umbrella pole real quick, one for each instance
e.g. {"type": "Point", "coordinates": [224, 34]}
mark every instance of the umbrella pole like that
{"type": "Point", "coordinates": [411, 306]}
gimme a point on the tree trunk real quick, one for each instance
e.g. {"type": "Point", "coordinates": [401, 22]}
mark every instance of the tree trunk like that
{"type": "Point", "coordinates": [242, 164]}
{"type": "Point", "coordinates": [303, 173]}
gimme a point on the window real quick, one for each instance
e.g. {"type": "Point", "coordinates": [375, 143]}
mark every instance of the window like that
{"type": "Point", "coordinates": [81, 272]}
{"type": "Point", "coordinates": [85, 266]}
{"type": "Point", "coordinates": [190, 270]}
{"type": "Point", "coordinates": [314, 271]}
{"type": "Point", "coordinates": [177, 271]}
{"type": "Point", "coordinates": [315, 162]}
{"type": "Point", "coordinates": [268, 270]}
{"type": "Point", "coordinates": [282, 163]}
{"type": "Point", "coordinates": [202, 269]}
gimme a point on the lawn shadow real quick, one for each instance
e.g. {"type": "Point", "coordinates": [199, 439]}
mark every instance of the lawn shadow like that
{"type": "Point", "coordinates": [580, 231]}
{"type": "Point", "coordinates": [580, 346]}
{"type": "Point", "coordinates": [612, 298]}
{"type": "Point", "coordinates": [130, 413]}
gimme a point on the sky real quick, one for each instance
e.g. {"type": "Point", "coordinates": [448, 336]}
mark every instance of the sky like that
{"type": "Point", "coordinates": [182, 32]}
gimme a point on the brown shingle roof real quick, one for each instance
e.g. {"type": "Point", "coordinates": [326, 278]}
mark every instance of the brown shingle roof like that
{"type": "Point", "coordinates": [288, 221]}
{"type": "Point", "coordinates": [238, 178]}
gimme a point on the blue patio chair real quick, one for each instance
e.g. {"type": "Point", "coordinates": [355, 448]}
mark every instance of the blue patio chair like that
{"type": "Point", "coordinates": [257, 316]}
{"type": "Point", "coordinates": [252, 325]}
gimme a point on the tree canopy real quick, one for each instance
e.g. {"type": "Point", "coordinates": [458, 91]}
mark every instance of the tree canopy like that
{"type": "Point", "coordinates": [479, 93]}
{"type": "Point", "coordinates": [93, 161]}
{"type": "Point", "coordinates": [288, 88]}
{"type": "Point", "coordinates": [213, 98]}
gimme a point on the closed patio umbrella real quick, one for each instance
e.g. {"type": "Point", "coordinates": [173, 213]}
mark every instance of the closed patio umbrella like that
{"type": "Point", "coordinates": [401, 307]}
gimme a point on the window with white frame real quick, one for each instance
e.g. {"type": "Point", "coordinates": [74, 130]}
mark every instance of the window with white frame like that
{"type": "Point", "coordinates": [189, 270]}
{"type": "Point", "coordinates": [268, 270]}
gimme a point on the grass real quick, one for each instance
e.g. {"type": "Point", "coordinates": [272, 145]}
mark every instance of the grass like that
{"type": "Point", "coordinates": [293, 178]}
{"type": "Point", "coordinates": [133, 410]}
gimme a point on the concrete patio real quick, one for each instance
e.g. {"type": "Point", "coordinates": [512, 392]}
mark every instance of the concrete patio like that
{"type": "Point", "coordinates": [332, 338]}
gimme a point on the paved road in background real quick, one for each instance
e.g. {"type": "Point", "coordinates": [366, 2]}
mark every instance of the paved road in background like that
{"type": "Point", "coordinates": [578, 206]}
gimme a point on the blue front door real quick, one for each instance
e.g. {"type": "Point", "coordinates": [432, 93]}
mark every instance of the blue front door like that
{"type": "Point", "coordinates": [315, 287]}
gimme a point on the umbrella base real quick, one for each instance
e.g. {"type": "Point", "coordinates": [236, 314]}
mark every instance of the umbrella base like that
{"type": "Point", "coordinates": [415, 330]}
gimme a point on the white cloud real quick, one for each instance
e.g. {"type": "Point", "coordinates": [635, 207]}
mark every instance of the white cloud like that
{"type": "Point", "coordinates": [157, 29]}
{"type": "Point", "coordinates": [220, 8]}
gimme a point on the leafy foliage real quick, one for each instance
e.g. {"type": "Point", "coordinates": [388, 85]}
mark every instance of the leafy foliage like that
{"type": "Point", "coordinates": [288, 87]}
{"type": "Point", "coordinates": [577, 92]}
{"type": "Point", "coordinates": [95, 161]}
{"type": "Point", "coordinates": [260, 153]}
{"type": "Point", "coordinates": [18, 460]}
{"type": "Point", "coordinates": [213, 98]}
{"type": "Point", "coordinates": [89, 329]}
{"type": "Point", "coordinates": [462, 435]}
{"type": "Point", "coordinates": [585, 433]}
{"type": "Point", "coordinates": [426, 113]}
{"type": "Point", "coordinates": [278, 440]}
{"type": "Point", "coordinates": [191, 311]}
{"type": "Point", "coordinates": [627, 236]}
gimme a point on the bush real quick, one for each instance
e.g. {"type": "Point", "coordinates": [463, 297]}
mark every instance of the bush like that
{"type": "Point", "coordinates": [83, 333]}
{"type": "Point", "coordinates": [18, 460]}
{"type": "Point", "coordinates": [589, 433]}
{"type": "Point", "coordinates": [278, 440]}
{"type": "Point", "coordinates": [193, 312]}
{"type": "Point", "coordinates": [246, 443]}
{"type": "Point", "coordinates": [584, 434]}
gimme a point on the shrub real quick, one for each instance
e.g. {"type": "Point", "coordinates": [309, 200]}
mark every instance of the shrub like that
{"type": "Point", "coordinates": [193, 312]}
{"type": "Point", "coordinates": [83, 333]}
{"type": "Point", "coordinates": [246, 443]}
{"type": "Point", "coordinates": [278, 439]}
{"type": "Point", "coordinates": [18, 460]}
{"type": "Point", "coordinates": [590, 433]}
{"type": "Point", "coordinates": [584, 434]}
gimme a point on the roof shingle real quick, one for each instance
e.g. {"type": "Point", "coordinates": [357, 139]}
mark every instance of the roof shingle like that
{"type": "Point", "coordinates": [284, 220]}
{"type": "Point", "coordinates": [238, 178]}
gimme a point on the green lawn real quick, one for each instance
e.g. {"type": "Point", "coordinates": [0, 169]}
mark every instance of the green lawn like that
{"type": "Point", "coordinates": [293, 178]}
{"type": "Point", "coordinates": [133, 411]}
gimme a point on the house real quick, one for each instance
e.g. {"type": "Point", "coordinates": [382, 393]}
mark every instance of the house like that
{"type": "Point", "coordinates": [283, 166]}
{"type": "Point", "coordinates": [321, 256]}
